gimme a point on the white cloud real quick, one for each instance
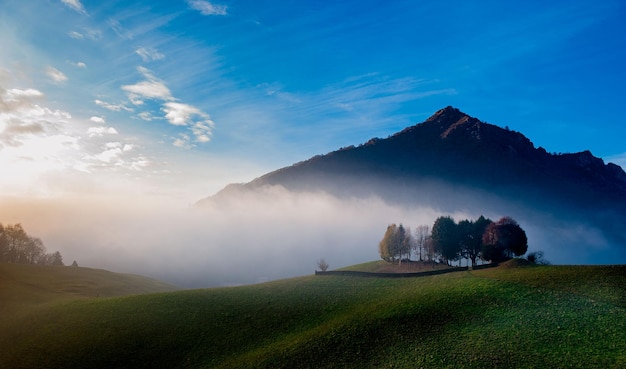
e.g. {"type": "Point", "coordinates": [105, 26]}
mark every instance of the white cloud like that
{"type": "Point", "coordinates": [152, 88]}
{"type": "Point", "coordinates": [21, 118]}
{"type": "Point", "coordinates": [149, 54]}
{"type": "Point", "coordinates": [145, 115]}
{"type": "Point", "coordinates": [79, 64]}
{"type": "Point", "coordinates": [202, 130]}
{"type": "Point", "coordinates": [101, 131]}
{"type": "Point", "coordinates": [176, 113]}
{"type": "Point", "coordinates": [207, 8]}
{"type": "Point", "coordinates": [56, 75]}
{"type": "Point", "coordinates": [75, 5]}
{"type": "Point", "coordinates": [113, 151]}
{"type": "Point", "coordinates": [182, 115]}
{"type": "Point", "coordinates": [14, 94]}
{"type": "Point", "coordinates": [182, 141]}
{"type": "Point", "coordinates": [97, 120]}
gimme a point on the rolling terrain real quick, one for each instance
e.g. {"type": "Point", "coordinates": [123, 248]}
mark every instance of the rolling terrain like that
{"type": "Point", "coordinates": [24, 287]}
{"type": "Point", "coordinates": [511, 316]}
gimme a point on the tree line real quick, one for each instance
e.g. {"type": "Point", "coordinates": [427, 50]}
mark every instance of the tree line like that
{"type": "Point", "coordinates": [16, 246]}
{"type": "Point", "coordinates": [449, 241]}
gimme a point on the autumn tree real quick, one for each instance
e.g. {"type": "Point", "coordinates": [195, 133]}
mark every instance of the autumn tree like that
{"type": "Point", "coordinates": [395, 243]}
{"type": "Point", "coordinates": [503, 240]}
{"type": "Point", "coordinates": [386, 244]}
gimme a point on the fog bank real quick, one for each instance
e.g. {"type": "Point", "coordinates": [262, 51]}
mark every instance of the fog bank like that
{"type": "Point", "coordinates": [256, 237]}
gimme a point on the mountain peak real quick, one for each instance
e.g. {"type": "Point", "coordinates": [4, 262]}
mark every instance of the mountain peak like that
{"type": "Point", "coordinates": [451, 119]}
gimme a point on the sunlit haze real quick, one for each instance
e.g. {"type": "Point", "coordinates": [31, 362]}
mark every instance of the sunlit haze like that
{"type": "Point", "coordinates": [117, 116]}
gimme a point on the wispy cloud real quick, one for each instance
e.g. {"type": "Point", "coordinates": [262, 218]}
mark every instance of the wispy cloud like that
{"type": "Point", "coordinates": [86, 33]}
{"type": "Point", "coordinates": [56, 75]}
{"type": "Point", "coordinates": [79, 64]}
{"type": "Point", "coordinates": [149, 54]}
{"type": "Point", "coordinates": [112, 107]}
{"type": "Point", "coordinates": [176, 113]}
{"type": "Point", "coordinates": [183, 115]}
{"type": "Point", "coordinates": [120, 30]}
{"type": "Point", "coordinates": [75, 5]}
{"type": "Point", "coordinates": [207, 8]}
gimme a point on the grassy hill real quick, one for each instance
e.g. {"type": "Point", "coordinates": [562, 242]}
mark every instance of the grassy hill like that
{"type": "Point", "coordinates": [510, 316]}
{"type": "Point", "coordinates": [26, 287]}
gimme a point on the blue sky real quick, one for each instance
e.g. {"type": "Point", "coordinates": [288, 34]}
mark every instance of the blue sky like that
{"type": "Point", "coordinates": [179, 98]}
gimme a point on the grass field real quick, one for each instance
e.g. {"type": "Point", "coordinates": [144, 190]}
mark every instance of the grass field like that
{"type": "Point", "coordinates": [513, 317]}
{"type": "Point", "coordinates": [26, 287]}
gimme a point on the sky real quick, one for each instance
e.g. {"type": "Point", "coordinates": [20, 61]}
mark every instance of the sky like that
{"type": "Point", "coordinates": [167, 102]}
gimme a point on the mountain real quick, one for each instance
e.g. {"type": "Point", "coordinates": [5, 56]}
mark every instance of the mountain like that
{"type": "Point", "coordinates": [453, 161]}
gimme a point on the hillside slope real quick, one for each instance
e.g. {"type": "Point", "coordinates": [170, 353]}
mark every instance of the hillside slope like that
{"type": "Point", "coordinates": [26, 287]}
{"type": "Point", "coordinates": [510, 317]}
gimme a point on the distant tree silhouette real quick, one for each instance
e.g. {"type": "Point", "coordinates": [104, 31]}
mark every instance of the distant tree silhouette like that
{"type": "Point", "coordinates": [536, 257]}
{"type": "Point", "coordinates": [445, 238]}
{"type": "Point", "coordinates": [422, 233]}
{"type": "Point", "coordinates": [504, 239]}
{"type": "Point", "coordinates": [402, 243]}
{"type": "Point", "coordinates": [470, 233]}
{"type": "Point", "coordinates": [57, 259]}
{"type": "Point", "coordinates": [16, 246]}
{"type": "Point", "coordinates": [482, 238]}
{"type": "Point", "coordinates": [322, 265]}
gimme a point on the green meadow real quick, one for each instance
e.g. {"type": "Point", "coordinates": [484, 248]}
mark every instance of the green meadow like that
{"type": "Point", "coordinates": [512, 316]}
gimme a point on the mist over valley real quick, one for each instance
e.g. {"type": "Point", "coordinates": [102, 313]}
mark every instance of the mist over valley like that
{"type": "Point", "coordinates": [337, 206]}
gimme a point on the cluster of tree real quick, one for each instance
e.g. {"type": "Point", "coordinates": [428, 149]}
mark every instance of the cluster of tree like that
{"type": "Point", "coordinates": [479, 239]}
{"type": "Point", "coordinates": [399, 244]}
{"type": "Point", "coordinates": [16, 246]}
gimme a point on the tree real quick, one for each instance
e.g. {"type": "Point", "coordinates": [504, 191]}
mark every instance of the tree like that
{"type": "Point", "coordinates": [536, 257]}
{"type": "Point", "coordinates": [16, 246]}
{"type": "Point", "coordinates": [470, 233]}
{"type": "Point", "coordinates": [421, 235]}
{"type": "Point", "coordinates": [407, 243]}
{"type": "Point", "coordinates": [396, 242]}
{"type": "Point", "coordinates": [402, 243]}
{"type": "Point", "coordinates": [446, 238]}
{"type": "Point", "coordinates": [321, 263]}
{"type": "Point", "coordinates": [57, 259]}
{"type": "Point", "coordinates": [504, 239]}
{"type": "Point", "coordinates": [386, 244]}
{"type": "Point", "coordinates": [4, 243]}
{"type": "Point", "coordinates": [429, 249]}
